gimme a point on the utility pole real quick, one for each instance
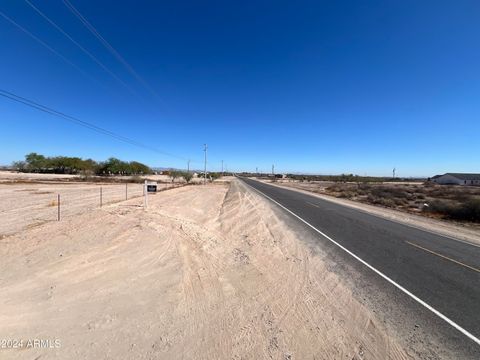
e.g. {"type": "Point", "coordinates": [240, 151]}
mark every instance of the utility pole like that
{"type": "Point", "coordinates": [188, 165]}
{"type": "Point", "coordinates": [273, 170]}
{"type": "Point", "coordinates": [394, 173]}
{"type": "Point", "coordinates": [205, 165]}
{"type": "Point", "coordinates": [256, 170]}
{"type": "Point", "coordinates": [222, 167]}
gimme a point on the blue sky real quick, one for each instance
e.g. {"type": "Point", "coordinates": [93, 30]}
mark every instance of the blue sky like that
{"type": "Point", "coordinates": [311, 86]}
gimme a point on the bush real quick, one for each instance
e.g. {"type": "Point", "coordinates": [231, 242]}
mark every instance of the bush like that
{"type": "Point", "coordinates": [187, 176]}
{"type": "Point", "coordinates": [440, 207]}
{"type": "Point", "coordinates": [175, 174]}
{"type": "Point", "coordinates": [468, 211]}
{"type": "Point", "coordinates": [400, 202]}
{"type": "Point", "coordinates": [215, 175]}
{"type": "Point", "coordinates": [345, 195]}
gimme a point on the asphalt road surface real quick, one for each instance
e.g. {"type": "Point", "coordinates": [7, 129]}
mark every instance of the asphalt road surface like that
{"type": "Point", "coordinates": [440, 273]}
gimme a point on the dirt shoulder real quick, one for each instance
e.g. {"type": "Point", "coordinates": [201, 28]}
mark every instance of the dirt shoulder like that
{"type": "Point", "coordinates": [206, 272]}
{"type": "Point", "coordinates": [441, 227]}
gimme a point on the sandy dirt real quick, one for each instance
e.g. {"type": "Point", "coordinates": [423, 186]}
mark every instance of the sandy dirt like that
{"type": "Point", "coordinates": [441, 227]}
{"type": "Point", "coordinates": [24, 205]}
{"type": "Point", "coordinates": [12, 176]}
{"type": "Point", "coordinates": [17, 176]}
{"type": "Point", "coordinates": [206, 272]}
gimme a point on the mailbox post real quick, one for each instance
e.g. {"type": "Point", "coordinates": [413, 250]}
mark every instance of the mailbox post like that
{"type": "Point", "coordinates": [148, 187]}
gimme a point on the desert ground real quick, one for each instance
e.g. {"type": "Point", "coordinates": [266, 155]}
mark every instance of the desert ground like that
{"type": "Point", "coordinates": [15, 176]}
{"type": "Point", "coordinates": [28, 204]}
{"type": "Point", "coordinates": [205, 272]}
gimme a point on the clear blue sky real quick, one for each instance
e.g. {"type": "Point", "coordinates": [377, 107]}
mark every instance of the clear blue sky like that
{"type": "Point", "coordinates": [312, 86]}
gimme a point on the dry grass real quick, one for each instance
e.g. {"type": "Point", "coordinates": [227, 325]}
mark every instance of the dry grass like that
{"type": "Point", "coordinates": [53, 203]}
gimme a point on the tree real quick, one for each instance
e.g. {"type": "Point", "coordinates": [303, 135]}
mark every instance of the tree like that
{"type": "Point", "coordinates": [175, 174]}
{"type": "Point", "coordinates": [19, 165]}
{"type": "Point", "coordinates": [73, 165]}
{"type": "Point", "coordinates": [138, 168]}
{"type": "Point", "coordinates": [187, 176]}
{"type": "Point", "coordinates": [215, 175]}
{"type": "Point", "coordinates": [35, 162]}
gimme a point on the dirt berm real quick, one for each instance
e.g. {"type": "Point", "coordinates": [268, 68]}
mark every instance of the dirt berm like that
{"type": "Point", "coordinates": [206, 272]}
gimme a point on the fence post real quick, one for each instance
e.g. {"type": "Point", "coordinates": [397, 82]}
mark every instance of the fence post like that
{"type": "Point", "coordinates": [101, 197]}
{"type": "Point", "coordinates": [126, 191]}
{"type": "Point", "coordinates": [145, 195]}
{"type": "Point", "coordinates": [58, 207]}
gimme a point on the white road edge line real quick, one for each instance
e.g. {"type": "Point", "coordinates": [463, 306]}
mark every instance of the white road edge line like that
{"type": "Point", "coordinates": [378, 272]}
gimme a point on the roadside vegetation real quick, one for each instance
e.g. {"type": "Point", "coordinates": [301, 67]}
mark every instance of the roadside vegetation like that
{"type": "Point", "coordinates": [333, 178]}
{"type": "Point", "coordinates": [36, 163]}
{"type": "Point", "coordinates": [460, 203]}
{"type": "Point", "coordinates": [175, 174]}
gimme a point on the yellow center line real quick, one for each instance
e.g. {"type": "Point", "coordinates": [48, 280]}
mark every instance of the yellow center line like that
{"type": "Point", "coordinates": [312, 204]}
{"type": "Point", "coordinates": [444, 257]}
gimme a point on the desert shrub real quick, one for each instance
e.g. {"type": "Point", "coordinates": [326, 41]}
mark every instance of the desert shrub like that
{"type": "Point", "coordinates": [386, 202]}
{"type": "Point", "coordinates": [439, 206]}
{"type": "Point", "coordinates": [175, 174]}
{"type": "Point", "coordinates": [334, 188]}
{"type": "Point", "coordinates": [383, 201]}
{"type": "Point", "coordinates": [399, 193]}
{"type": "Point", "coordinates": [379, 192]}
{"type": "Point", "coordinates": [346, 194]}
{"type": "Point", "coordinates": [468, 211]}
{"type": "Point", "coordinates": [187, 176]}
{"type": "Point", "coordinates": [461, 195]}
{"type": "Point", "coordinates": [216, 175]}
{"type": "Point", "coordinates": [137, 179]}
{"type": "Point", "coordinates": [400, 202]}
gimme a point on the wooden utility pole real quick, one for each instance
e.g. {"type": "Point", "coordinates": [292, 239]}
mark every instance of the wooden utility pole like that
{"type": "Point", "coordinates": [205, 165]}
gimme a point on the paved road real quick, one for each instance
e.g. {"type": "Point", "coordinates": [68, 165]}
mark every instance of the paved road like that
{"type": "Point", "coordinates": [441, 271]}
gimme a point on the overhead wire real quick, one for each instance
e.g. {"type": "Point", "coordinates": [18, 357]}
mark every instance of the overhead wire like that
{"type": "Point", "coordinates": [109, 47]}
{"type": "Point", "coordinates": [85, 51]}
{"type": "Point", "coordinates": [44, 44]}
{"type": "Point", "coordinates": [46, 109]}
{"type": "Point", "coordinates": [83, 123]}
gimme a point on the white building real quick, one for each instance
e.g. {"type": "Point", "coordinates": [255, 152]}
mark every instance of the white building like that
{"type": "Point", "coordinates": [457, 179]}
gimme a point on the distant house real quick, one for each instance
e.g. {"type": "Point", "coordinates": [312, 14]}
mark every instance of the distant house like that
{"type": "Point", "coordinates": [457, 179]}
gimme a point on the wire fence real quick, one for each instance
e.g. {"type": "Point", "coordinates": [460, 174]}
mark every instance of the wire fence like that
{"type": "Point", "coordinates": [23, 205]}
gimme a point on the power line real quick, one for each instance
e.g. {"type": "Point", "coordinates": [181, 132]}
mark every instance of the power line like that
{"type": "Point", "coordinates": [48, 47]}
{"type": "Point", "coordinates": [85, 124]}
{"type": "Point", "coordinates": [80, 47]}
{"type": "Point", "coordinates": [109, 47]}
